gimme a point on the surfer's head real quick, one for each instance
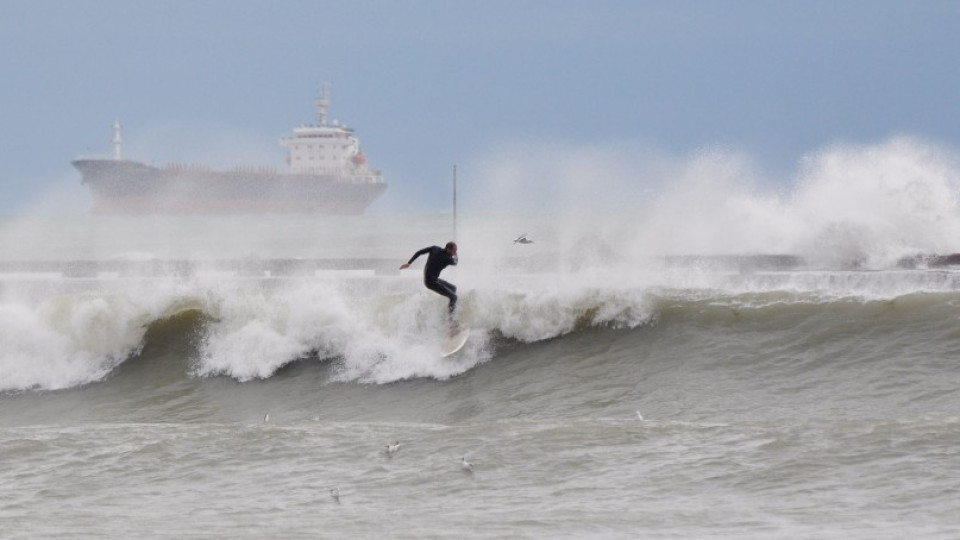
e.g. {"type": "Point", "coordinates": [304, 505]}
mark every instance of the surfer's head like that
{"type": "Point", "coordinates": [451, 248]}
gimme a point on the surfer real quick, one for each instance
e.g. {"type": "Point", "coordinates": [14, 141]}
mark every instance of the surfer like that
{"type": "Point", "coordinates": [438, 258]}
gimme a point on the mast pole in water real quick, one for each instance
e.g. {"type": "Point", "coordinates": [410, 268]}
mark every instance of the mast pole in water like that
{"type": "Point", "coordinates": [117, 140]}
{"type": "Point", "coordinates": [454, 203]}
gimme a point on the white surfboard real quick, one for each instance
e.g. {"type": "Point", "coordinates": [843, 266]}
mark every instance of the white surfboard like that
{"type": "Point", "coordinates": [456, 341]}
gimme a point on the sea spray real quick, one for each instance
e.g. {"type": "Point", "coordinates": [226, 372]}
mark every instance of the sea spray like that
{"type": "Point", "coordinates": [876, 204]}
{"type": "Point", "coordinates": [847, 206]}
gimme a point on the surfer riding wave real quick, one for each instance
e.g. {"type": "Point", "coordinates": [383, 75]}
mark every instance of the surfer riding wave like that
{"type": "Point", "coordinates": [437, 259]}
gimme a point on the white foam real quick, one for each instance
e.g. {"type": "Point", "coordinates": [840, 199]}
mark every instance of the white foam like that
{"type": "Point", "coordinates": [379, 330]}
{"type": "Point", "coordinates": [394, 329]}
{"type": "Point", "coordinates": [71, 339]}
{"type": "Point", "coordinates": [378, 336]}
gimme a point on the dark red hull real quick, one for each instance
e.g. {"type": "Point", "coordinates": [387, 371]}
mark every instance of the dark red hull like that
{"type": "Point", "coordinates": [130, 187]}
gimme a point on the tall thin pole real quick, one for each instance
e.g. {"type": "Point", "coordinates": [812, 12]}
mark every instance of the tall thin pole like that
{"type": "Point", "coordinates": [117, 140]}
{"type": "Point", "coordinates": [454, 203]}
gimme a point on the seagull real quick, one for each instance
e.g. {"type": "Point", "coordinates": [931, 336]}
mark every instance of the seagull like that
{"type": "Point", "coordinates": [266, 418]}
{"type": "Point", "coordinates": [522, 239]}
{"type": "Point", "coordinates": [392, 448]}
{"type": "Point", "coordinates": [465, 465]}
{"type": "Point", "coordinates": [639, 416]}
{"type": "Point", "coordinates": [335, 493]}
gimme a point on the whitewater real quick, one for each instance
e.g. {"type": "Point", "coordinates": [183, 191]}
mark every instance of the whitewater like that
{"type": "Point", "coordinates": [706, 357]}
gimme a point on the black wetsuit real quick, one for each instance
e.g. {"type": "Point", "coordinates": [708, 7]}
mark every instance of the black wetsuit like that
{"type": "Point", "coordinates": [437, 260]}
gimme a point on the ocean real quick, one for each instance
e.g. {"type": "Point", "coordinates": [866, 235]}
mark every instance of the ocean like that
{"type": "Point", "coordinates": [619, 381]}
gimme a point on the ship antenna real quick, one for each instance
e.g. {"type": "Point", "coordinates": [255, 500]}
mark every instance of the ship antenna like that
{"type": "Point", "coordinates": [323, 102]}
{"type": "Point", "coordinates": [117, 140]}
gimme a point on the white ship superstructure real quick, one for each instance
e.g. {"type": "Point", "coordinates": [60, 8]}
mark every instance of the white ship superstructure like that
{"type": "Point", "coordinates": [326, 148]}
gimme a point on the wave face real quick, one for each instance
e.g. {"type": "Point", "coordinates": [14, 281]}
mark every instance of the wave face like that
{"type": "Point", "coordinates": [382, 330]}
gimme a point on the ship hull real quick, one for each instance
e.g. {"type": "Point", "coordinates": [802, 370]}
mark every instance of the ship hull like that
{"type": "Point", "coordinates": [130, 187]}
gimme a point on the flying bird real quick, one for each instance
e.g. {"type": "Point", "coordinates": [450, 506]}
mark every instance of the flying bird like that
{"type": "Point", "coordinates": [392, 449]}
{"type": "Point", "coordinates": [335, 493]}
{"type": "Point", "coordinates": [465, 465]}
{"type": "Point", "coordinates": [522, 239]}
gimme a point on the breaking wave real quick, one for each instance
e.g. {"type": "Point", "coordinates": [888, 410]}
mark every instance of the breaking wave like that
{"type": "Point", "coordinates": [382, 330]}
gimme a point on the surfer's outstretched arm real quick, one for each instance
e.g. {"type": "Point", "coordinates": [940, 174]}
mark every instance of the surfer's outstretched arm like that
{"type": "Point", "coordinates": [415, 255]}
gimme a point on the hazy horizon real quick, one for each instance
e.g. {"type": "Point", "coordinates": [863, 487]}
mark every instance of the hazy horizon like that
{"type": "Point", "coordinates": [622, 93]}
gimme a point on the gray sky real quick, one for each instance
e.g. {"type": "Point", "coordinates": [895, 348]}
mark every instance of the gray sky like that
{"type": "Point", "coordinates": [431, 83]}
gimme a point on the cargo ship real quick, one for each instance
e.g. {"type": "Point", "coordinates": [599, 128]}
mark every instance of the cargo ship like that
{"type": "Point", "coordinates": [326, 173]}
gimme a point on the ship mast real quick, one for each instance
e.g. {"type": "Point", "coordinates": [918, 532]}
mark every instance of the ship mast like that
{"type": "Point", "coordinates": [323, 102]}
{"type": "Point", "coordinates": [117, 140]}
